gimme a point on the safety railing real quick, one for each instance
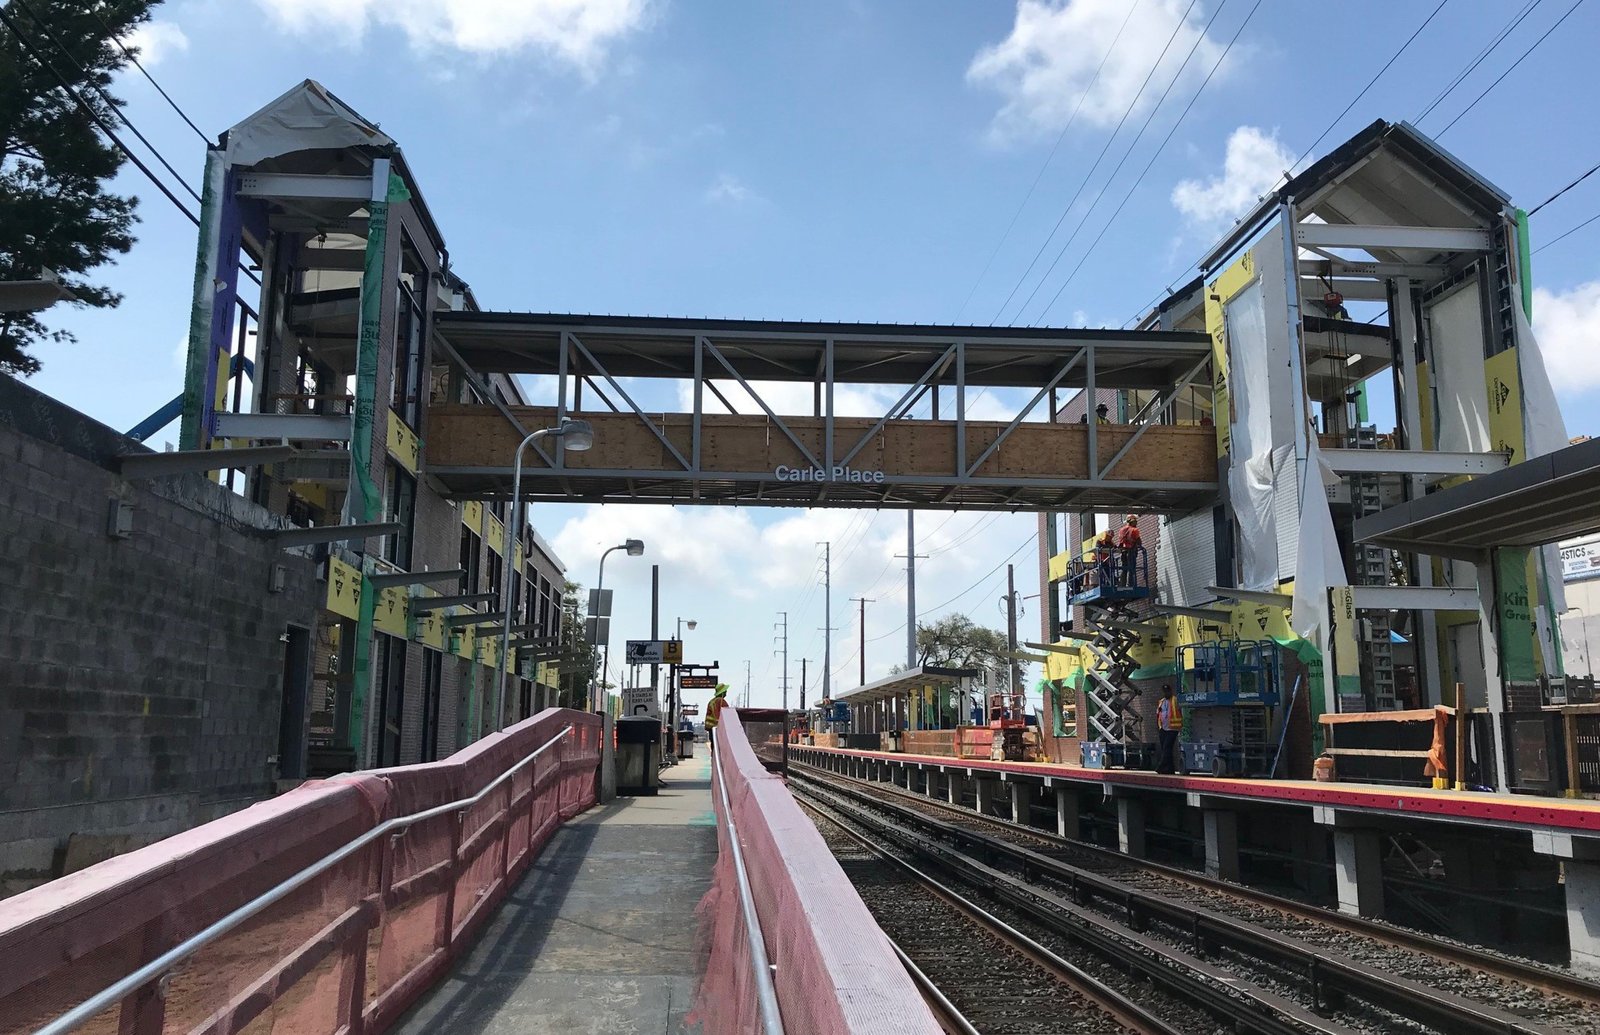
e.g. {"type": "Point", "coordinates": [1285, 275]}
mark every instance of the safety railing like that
{"type": "Point", "coordinates": [339, 941]}
{"type": "Point", "coordinates": [760, 968]}
{"type": "Point", "coordinates": [792, 945]}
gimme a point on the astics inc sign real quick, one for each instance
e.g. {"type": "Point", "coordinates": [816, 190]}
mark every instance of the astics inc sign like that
{"type": "Point", "coordinates": [1580, 558]}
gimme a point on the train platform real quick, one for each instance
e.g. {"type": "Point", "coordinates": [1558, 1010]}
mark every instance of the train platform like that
{"type": "Point", "coordinates": [600, 935]}
{"type": "Point", "coordinates": [1510, 811]}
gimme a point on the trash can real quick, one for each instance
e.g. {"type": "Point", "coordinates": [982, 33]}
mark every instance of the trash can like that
{"type": "Point", "coordinates": [685, 744]}
{"type": "Point", "coordinates": [638, 755]}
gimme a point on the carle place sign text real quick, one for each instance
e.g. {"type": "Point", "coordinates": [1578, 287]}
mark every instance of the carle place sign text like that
{"type": "Point", "coordinates": [838, 473]}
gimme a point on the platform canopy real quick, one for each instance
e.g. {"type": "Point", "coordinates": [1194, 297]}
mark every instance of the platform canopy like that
{"type": "Point", "coordinates": [901, 683]}
{"type": "Point", "coordinates": [1539, 501]}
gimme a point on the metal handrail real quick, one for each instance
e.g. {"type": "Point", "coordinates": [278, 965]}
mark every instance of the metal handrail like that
{"type": "Point", "coordinates": [766, 993]}
{"type": "Point", "coordinates": [85, 1011]}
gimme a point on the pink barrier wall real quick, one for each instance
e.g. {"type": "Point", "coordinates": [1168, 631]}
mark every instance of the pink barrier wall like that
{"type": "Point", "coordinates": [354, 947]}
{"type": "Point", "coordinates": [835, 971]}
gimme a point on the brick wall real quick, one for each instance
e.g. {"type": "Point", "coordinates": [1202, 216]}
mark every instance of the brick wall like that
{"type": "Point", "coordinates": [141, 679]}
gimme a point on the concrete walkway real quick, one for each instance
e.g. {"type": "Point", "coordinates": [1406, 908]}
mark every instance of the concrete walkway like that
{"type": "Point", "coordinates": [600, 935]}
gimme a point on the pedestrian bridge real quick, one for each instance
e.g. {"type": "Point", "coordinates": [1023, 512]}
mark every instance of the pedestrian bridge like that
{"type": "Point", "coordinates": [488, 892]}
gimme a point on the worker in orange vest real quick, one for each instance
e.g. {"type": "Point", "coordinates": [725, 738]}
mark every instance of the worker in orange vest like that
{"type": "Point", "coordinates": [719, 701]}
{"type": "Point", "coordinates": [1129, 543]}
{"type": "Point", "coordinates": [1105, 548]}
{"type": "Point", "coordinates": [1169, 723]}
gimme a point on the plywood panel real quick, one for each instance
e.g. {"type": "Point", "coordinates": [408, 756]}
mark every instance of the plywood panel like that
{"type": "Point", "coordinates": [479, 437]}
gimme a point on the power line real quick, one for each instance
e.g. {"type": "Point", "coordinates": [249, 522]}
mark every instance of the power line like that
{"type": "Point", "coordinates": [1488, 49]}
{"type": "Point", "coordinates": [1566, 235]}
{"type": "Point", "coordinates": [1534, 46]}
{"type": "Point", "coordinates": [981, 581]}
{"type": "Point", "coordinates": [133, 58]}
{"type": "Point", "coordinates": [1182, 21]}
{"type": "Point", "coordinates": [1370, 84]}
{"type": "Point", "coordinates": [1592, 170]}
{"type": "Point", "coordinates": [1048, 158]}
{"type": "Point", "coordinates": [1154, 110]}
{"type": "Point", "coordinates": [1148, 165]}
{"type": "Point", "coordinates": [111, 104]}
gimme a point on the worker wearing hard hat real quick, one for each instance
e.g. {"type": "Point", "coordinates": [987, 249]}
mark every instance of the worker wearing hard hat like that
{"type": "Point", "coordinates": [1129, 543]}
{"type": "Point", "coordinates": [719, 701]}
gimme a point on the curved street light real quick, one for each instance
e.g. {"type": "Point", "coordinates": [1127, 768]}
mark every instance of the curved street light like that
{"type": "Point", "coordinates": [576, 435]}
{"type": "Point", "coordinates": [635, 548]}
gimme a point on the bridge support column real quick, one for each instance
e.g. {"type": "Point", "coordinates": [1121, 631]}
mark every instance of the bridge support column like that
{"type": "Point", "coordinates": [1022, 803]}
{"type": "Point", "coordinates": [955, 788]}
{"type": "Point", "coordinates": [1130, 826]}
{"type": "Point", "coordinates": [1357, 864]}
{"type": "Point", "coordinates": [1580, 865]}
{"type": "Point", "coordinates": [985, 789]}
{"type": "Point", "coordinates": [1067, 824]}
{"type": "Point", "coordinates": [1221, 837]}
{"type": "Point", "coordinates": [931, 788]}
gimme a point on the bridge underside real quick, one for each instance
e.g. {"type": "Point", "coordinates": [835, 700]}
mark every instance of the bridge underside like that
{"type": "Point", "coordinates": [715, 454]}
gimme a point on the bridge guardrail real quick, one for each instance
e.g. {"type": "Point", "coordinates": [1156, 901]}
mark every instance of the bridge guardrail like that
{"type": "Point", "coordinates": [331, 907]}
{"type": "Point", "coordinates": [833, 969]}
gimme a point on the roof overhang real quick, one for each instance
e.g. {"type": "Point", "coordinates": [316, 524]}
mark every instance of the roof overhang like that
{"type": "Point", "coordinates": [901, 683]}
{"type": "Point", "coordinates": [1539, 501]}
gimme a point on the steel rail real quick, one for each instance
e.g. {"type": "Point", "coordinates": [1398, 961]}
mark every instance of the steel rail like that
{"type": "Point", "coordinates": [766, 993]}
{"type": "Point", "coordinates": [1220, 993]}
{"type": "Point", "coordinates": [950, 1018]}
{"type": "Point", "coordinates": [1119, 1007]}
{"type": "Point", "coordinates": [1507, 968]}
{"type": "Point", "coordinates": [162, 965]}
{"type": "Point", "coordinates": [1324, 969]}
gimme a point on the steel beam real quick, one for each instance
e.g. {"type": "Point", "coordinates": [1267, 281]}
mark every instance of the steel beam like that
{"type": "Point", "coordinates": [304, 185]}
{"type": "Point", "coordinates": [286, 537]}
{"type": "Point", "coordinates": [1066, 368]}
{"type": "Point", "coordinates": [189, 461]}
{"type": "Point", "coordinates": [302, 427]}
{"type": "Point", "coordinates": [1254, 596]}
{"type": "Point", "coordinates": [1416, 598]}
{"type": "Point", "coordinates": [1413, 461]}
{"type": "Point", "coordinates": [416, 578]}
{"type": "Point", "coordinates": [425, 605]}
{"type": "Point", "coordinates": [1391, 238]}
{"type": "Point", "coordinates": [614, 383]}
{"type": "Point", "coordinates": [716, 354]}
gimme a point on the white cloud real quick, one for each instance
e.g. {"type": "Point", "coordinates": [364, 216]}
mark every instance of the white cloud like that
{"type": "Point", "coordinates": [1254, 163]}
{"type": "Point", "coordinates": [1049, 60]}
{"type": "Point", "coordinates": [156, 41]}
{"type": "Point", "coordinates": [576, 31]}
{"type": "Point", "coordinates": [1567, 324]}
{"type": "Point", "coordinates": [728, 187]}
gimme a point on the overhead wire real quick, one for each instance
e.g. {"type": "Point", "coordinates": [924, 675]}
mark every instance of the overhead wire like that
{"type": "Point", "coordinates": [1151, 163]}
{"type": "Point", "coordinates": [1155, 109]}
{"type": "Point", "coordinates": [1592, 170]}
{"type": "Point", "coordinates": [1048, 158]}
{"type": "Point", "coordinates": [1566, 235]}
{"type": "Point", "coordinates": [146, 73]}
{"type": "Point", "coordinates": [1520, 59]}
{"type": "Point", "coordinates": [1182, 21]}
{"type": "Point", "coordinates": [1370, 84]}
{"type": "Point", "coordinates": [1488, 48]}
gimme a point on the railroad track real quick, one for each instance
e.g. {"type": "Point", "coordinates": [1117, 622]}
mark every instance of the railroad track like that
{"type": "Point", "coordinates": [1515, 972]}
{"type": "Point", "coordinates": [1315, 983]}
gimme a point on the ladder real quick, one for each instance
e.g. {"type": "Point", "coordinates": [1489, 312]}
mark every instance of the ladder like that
{"type": "Point", "coordinates": [1372, 569]}
{"type": "Point", "coordinates": [1250, 736]}
{"type": "Point", "coordinates": [1108, 692]}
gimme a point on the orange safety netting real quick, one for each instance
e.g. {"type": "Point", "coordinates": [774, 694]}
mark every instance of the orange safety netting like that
{"type": "Point", "coordinates": [834, 969]}
{"type": "Point", "coordinates": [367, 936]}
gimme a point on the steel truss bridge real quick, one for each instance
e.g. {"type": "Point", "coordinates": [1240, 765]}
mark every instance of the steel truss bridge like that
{"type": "Point", "coordinates": [820, 459]}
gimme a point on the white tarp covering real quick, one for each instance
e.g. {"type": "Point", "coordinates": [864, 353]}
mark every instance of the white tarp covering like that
{"type": "Point", "coordinates": [1544, 431]}
{"type": "Point", "coordinates": [1318, 564]}
{"type": "Point", "coordinates": [306, 118]}
{"type": "Point", "coordinates": [1253, 461]}
{"type": "Point", "coordinates": [1461, 397]}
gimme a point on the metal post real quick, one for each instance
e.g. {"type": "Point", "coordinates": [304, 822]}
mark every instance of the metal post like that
{"type": "Point", "coordinates": [655, 625]}
{"type": "Point", "coordinates": [1011, 626]}
{"type": "Point", "coordinates": [911, 585]}
{"type": "Point", "coordinates": [862, 623]}
{"type": "Point", "coordinates": [783, 733]}
{"type": "Point", "coordinates": [802, 684]}
{"type": "Point", "coordinates": [512, 532]}
{"type": "Point", "coordinates": [827, 615]}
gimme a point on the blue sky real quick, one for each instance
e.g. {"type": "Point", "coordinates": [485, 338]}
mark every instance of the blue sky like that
{"type": "Point", "coordinates": [839, 160]}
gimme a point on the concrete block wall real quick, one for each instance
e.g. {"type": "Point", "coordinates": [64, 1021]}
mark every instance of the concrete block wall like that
{"type": "Point", "coordinates": [141, 679]}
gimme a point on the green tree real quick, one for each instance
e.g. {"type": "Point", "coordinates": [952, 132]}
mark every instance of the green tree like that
{"type": "Point", "coordinates": [55, 210]}
{"type": "Point", "coordinates": [955, 641]}
{"type": "Point", "coordinates": [576, 651]}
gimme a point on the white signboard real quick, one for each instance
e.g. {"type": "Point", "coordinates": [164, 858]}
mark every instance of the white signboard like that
{"type": "Point", "coordinates": [1580, 558]}
{"type": "Point", "coordinates": [655, 652]}
{"type": "Point", "coordinates": [641, 700]}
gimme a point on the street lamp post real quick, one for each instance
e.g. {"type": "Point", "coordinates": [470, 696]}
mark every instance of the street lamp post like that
{"type": "Point", "coordinates": [576, 435]}
{"type": "Point", "coordinates": [635, 548]}
{"type": "Point", "coordinates": [675, 696]}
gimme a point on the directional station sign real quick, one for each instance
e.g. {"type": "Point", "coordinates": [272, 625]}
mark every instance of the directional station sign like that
{"type": "Point", "coordinates": [655, 652]}
{"type": "Point", "coordinates": [641, 700]}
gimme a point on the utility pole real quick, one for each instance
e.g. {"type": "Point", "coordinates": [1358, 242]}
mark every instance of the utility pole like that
{"type": "Point", "coordinates": [803, 681]}
{"type": "Point", "coordinates": [1011, 626]}
{"type": "Point", "coordinates": [827, 616]}
{"type": "Point", "coordinates": [747, 683]}
{"type": "Point", "coordinates": [783, 730]}
{"type": "Point", "coordinates": [655, 623]}
{"type": "Point", "coordinates": [783, 636]}
{"type": "Point", "coordinates": [911, 556]}
{"type": "Point", "coordinates": [862, 622]}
